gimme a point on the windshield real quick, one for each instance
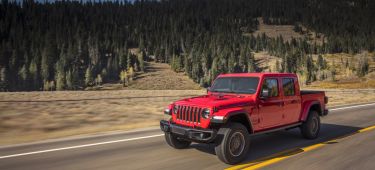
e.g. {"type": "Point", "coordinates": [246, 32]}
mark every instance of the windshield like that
{"type": "Point", "coordinates": [246, 85]}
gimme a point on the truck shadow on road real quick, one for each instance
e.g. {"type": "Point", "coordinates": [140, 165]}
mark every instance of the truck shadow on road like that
{"type": "Point", "coordinates": [265, 145]}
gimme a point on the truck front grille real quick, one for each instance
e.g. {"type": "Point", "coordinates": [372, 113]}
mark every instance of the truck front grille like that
{"type": "Point", "coordinates": [189, 114]}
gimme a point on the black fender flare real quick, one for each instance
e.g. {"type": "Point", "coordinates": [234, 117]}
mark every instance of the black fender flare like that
{"type": "Point", "coordinates": [242, 113]}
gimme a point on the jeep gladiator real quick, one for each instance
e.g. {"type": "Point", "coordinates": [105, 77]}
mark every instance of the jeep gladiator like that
{"type": "Point", "coordinates": [238, 106]}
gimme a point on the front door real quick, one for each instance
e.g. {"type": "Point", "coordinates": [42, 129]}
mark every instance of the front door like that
{"type": "Point", "coordinates": [271, 108]}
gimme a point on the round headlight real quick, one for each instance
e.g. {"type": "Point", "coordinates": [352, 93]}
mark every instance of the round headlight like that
{"type": "Point", "coordinates": [206, 113]}
{"type": "Point", "coordinates": [167, 112]}
{"type": "Point", "coordinates": [175, 109]}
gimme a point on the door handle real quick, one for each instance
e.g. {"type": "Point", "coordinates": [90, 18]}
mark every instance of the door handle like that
{"type": "Point", "coordinates": [294, 101]}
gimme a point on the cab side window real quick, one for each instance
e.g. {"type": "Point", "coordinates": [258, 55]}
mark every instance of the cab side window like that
{"type": "Point", "coordinates": [288, 87]}
{"type": "Point", "coordinates": [272, 86]}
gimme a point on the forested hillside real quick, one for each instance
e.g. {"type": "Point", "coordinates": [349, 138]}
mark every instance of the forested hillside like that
{"type": "Point", "coordinates": [71, 45]}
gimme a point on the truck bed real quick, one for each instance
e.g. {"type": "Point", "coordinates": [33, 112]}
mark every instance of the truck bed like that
{"type": "Point", "coordinates": [313, 95]}
{"type": "Point", "coordinates": [303, 92]}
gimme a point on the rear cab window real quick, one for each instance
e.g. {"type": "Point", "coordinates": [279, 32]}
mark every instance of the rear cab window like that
{"type": "Point", "coordinates": [288, 86]}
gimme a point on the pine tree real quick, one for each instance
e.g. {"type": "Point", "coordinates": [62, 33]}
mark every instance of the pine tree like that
{"type": "Point", "coordinates": [310, 69]}
{"type": "Point", "coordinates": [141, 58]}
{"type": "Point", "coordinates": [45, 67]}
{"type": "Point", "coordinates": [60, 75]}
{"type": "Point", "coordinates": [69, 80]}
{"type": "Point", "coordinates": [52, 85]}
{"type": "Point", "coordinates": [251, 68]}
{"type": "Point", "coordinates": [24, 75]}
{"type": "Point", "coordinates": [46, 85]}
{"type": "Point", "coordinates": [3, 79]}
{"type": "Point", "coordinates": [88, 77]}
{"type": "Point", "coordinates": [363, 66]}
{"type": "Point", "coordinates": [124, 78]}
{"type": "Point", "coordinates": [34, 74]}
{"type": "Point", "coordinates": [321, 63]}
{"type": "Point", "coordinates": [98, 80]}
{"type": "Point", "coordinates": [129, 60]}
{"type": "Point", "coordinates": [214, 69]}
{"type": "Point", "coordinates": [123, 58]}
{"type": "Point", "coordinates": [49, 57]}
{"type": "Point", "coordinates": [131, 73]}
{"type": "Point", "coordinates": [277, 66]}
{"type": "Point", "coordinates": [60, 80]}
{"type": "Point", "coordinates": [103, 74]}
{"type": "Point", "coordinates": [333, 71]}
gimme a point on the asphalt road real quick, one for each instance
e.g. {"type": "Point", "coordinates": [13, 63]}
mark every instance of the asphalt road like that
{"type": "Point", "coordinates": [146, 149]}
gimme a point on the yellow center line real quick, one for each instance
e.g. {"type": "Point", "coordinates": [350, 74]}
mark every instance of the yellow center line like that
{"type": "Point", "coordinates": [262, 162]}
{"type": "Point", "coordinates": [265, 163]}
{"type": "Point", "coordinates": [312, 147]}
{"type": "Point", "coordinates": [366, 129]}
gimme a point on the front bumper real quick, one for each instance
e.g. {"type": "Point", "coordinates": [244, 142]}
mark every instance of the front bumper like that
{"type": "Point", "coordinates": [192, 134]}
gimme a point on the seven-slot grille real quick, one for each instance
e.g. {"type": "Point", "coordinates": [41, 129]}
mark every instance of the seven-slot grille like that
{"type": "Point", "coordinates": [189, 114]}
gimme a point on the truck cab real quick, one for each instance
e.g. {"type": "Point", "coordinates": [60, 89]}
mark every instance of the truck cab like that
{"type": "Point", "coordinates": [238, 106]}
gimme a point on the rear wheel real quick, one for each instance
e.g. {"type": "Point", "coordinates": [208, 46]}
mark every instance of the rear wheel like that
{"type": "Point", "coordinates": [176, 142]}
{"type": "Point", "coordinates": [233, 143]}
{"type": "Point", "coordinates": [311, 127]}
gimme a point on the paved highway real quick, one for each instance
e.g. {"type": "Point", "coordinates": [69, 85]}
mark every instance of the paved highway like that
{"type": "Point", "coordinates": [146, 149]}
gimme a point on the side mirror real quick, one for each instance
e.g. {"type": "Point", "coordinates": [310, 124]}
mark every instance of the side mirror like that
{"type": "Point", "coordinates": [265, 94]}
{"type": "Point", "coordinates": [208, 89]}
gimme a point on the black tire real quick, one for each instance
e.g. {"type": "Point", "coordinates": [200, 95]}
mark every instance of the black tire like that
{"type": "Point", "coordinates": [176, 142]}
{"type": "Point", "coordinates": [232, 135]}
{"type": "Point", "coordinates": [311, 127]}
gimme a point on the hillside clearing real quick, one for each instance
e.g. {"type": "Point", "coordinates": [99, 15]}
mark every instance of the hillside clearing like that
{"type": "Point", "coordinates": [267, 61]}
{"type": "Point", "coordinates": [287, 32]}
{"type": "Point", "coordinates": [157, 76]}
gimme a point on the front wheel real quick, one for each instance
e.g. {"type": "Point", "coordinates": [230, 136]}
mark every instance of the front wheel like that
{"type": "Point", "coordinates": [311, 127]}
{"type": "Point", "coordinates": [176, 142]}
{"type": "Point", "coordinates": [233, 143]}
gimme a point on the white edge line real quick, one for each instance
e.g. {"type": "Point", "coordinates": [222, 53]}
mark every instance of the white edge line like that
{"type": "Point", "coordinates": [83, 136]}
{"type": "Point", "coordinates": [79, 146]}
{"type": "Point", "coordinates": [132, 139]}
{"type": "Point", "coordinates": [349, 107]}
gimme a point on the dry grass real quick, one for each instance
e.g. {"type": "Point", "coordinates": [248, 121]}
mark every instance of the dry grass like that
{"type": "Point", "coordinates": [354, 84]}
{"type": "Point", "coordinates": [350, 96]}
{"type": "Point", "coordinates": [31, 116]}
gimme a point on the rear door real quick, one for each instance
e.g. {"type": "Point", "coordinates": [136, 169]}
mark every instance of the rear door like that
{"type": "Point", "coordinates": [271, 108]}
{"type": "Point", "coordinates": [292, 100]}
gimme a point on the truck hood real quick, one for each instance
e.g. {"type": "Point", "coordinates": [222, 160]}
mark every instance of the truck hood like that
{"type": "Point", "coordinates": [218, 101]}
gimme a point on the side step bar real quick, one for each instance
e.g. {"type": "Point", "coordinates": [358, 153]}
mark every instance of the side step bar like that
{"type": "Point", "coordinates": [277, 129]}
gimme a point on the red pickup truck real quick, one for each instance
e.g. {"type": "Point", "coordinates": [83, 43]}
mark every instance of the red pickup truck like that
{"type": "Point", "coordinates": [240, 105]}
